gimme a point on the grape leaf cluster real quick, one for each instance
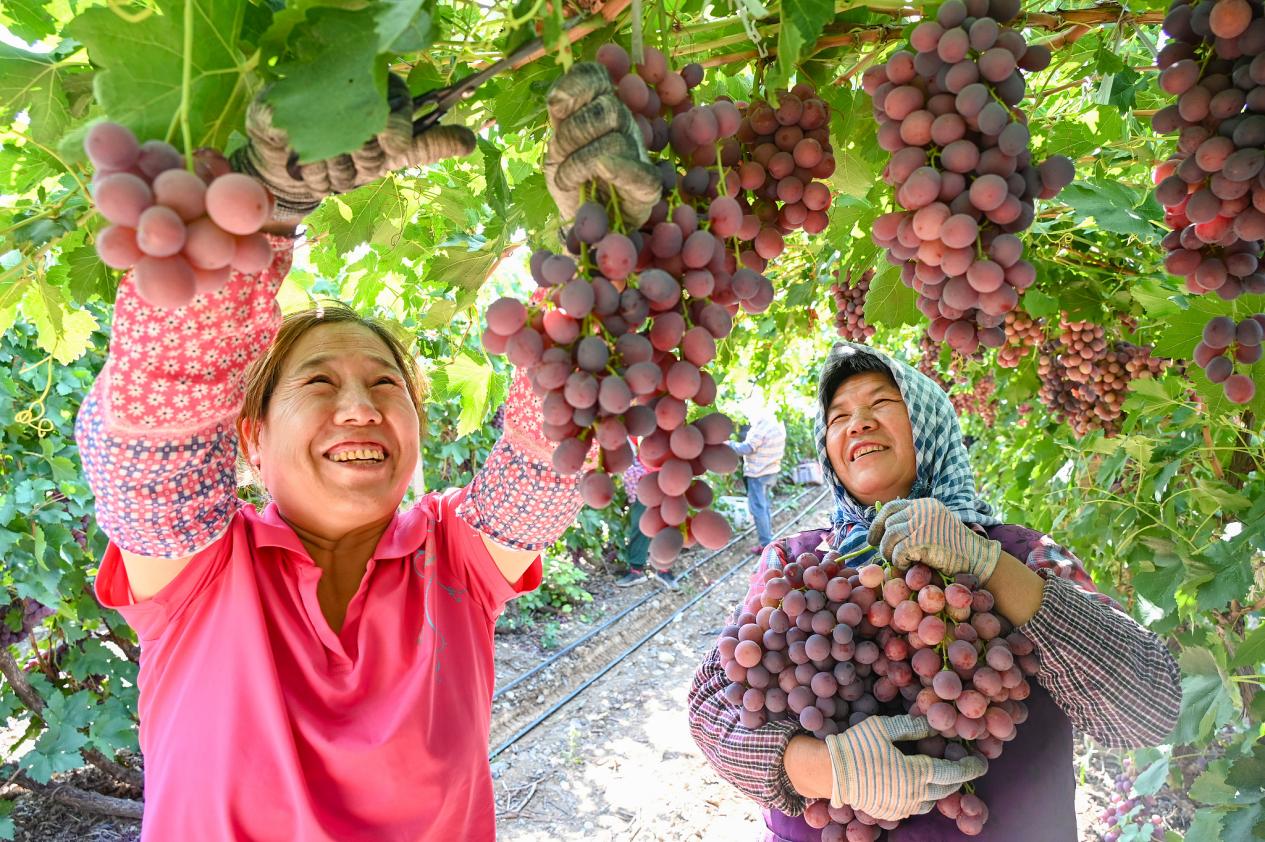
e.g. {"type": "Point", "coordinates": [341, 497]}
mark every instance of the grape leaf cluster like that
{"type": "Point", "coordinates": [964, 177]}
{"type": "Point", "coordinates": [181, 232]}
{"type": "Point", "coordinates": [828, 646]}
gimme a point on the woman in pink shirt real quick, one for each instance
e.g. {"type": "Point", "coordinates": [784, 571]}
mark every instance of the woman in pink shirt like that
{"type": "Point", "coordinates": [321, 669]}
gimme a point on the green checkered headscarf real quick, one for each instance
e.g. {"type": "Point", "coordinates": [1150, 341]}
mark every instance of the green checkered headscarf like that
{"type": "Point", "coordinates": [944, 469]}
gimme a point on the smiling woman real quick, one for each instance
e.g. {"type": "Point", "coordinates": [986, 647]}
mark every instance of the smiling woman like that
{"type": "Point", "coordinates": [320, 669]}
{"type": "Point", "coordinates": [887, 434]}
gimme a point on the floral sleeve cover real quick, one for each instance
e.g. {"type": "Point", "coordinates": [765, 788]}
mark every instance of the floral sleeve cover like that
{"type": "Point", "coordinates": [518, 499]}
{"type": "Point", "coordinates": [157, 432]}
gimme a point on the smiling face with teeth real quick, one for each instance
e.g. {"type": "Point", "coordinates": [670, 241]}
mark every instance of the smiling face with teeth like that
{"type": "Point", "coordinates": [869, 438]}
{"type": "Point", "coordinates": [339, 438]}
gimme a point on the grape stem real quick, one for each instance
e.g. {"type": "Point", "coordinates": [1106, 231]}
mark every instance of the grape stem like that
{"type": "Point", "coordinates": [186, 84]}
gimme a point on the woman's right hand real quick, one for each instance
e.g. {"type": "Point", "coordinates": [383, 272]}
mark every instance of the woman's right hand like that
{"type": "Point", "coordinates": [871, 774]}
{"type": "Point", "coordinates": [299, 188]}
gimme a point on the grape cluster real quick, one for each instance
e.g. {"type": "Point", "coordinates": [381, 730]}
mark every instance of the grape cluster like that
{"type": "Point", "coordinates": [1126, 817]}
{"type": "Point", "coordinates": [181, 233]}
{"type": "Point", "coordinates": [1084, 380]}
{"type": "Point", "coordinates": [948, 112]}
{"type": "Point", "coordinates": [828, 646]}
{"type": "Point", "coordinates": [1224, 345]}
{"type": "Point", "coordinates": [1213, 185]}
{"type": "Point", "coordinates": [785, 155]}
{"type": "Point", "coordinates": [850, 306]}
{"type": "Point", "coordinates": [24, 613]}
{"type": "Point", "coordinates": [977, 399]}
{"type": "Point", "coordinates": [630, 318]}
{"type": "Point", "coordinates": [1023, 333]}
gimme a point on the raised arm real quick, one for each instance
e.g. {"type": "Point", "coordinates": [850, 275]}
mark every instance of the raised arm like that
{"type": "Point", "coordinates": [157, 431]}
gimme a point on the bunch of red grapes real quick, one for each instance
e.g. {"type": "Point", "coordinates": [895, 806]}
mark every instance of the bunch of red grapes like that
{"type": "Point", "coordinates": [828, 646]}
{"type": "Point", "coordinates": [1126, 818]}
{"type": "Point", "coordinates": [1023, 333]}
{"type": "Point", "coordinates": [850, 306]}
{"type": "Point", "coordinates": [630, 319]}
{"type": "Point", "coordinates": [948, 112]}
{"type": "Point", "coordinates": [785, 153]}
{"type": "Point", "coordinates": [1213, 185]}
{"type": "Point", "coordinates": [1223, 345]}
{"type": "Point", "coordinates": [977, 400]}
{"type": "Point", "coordinates": [19, 618]}
{"type": "Point", "coordinates": [181, 233]}
{"type": "Point", "coordinates": [1084, 380]}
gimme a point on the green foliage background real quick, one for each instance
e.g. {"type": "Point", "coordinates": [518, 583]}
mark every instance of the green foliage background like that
{"type": "Point", "coordinates": [1169, 516]}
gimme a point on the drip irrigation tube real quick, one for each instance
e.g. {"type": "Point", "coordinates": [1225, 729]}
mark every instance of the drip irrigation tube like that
{"type": "Point", "coordinates": [522, 732]}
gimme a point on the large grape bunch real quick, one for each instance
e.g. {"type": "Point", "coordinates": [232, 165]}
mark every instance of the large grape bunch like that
{"type": "Point", "coordinates": [180, 232]}
{"type": "Point", "coordinates": [964, 177]}
{"type": "Point", "coordinates": [849, 300]}
{"type": "Point", "coordinates": [630, 319]}
{"type": "Point", "coordinates": [1226, 343]}
{"type": "Point", "coordinates": [1085, 380]}
{"type": "Point", "coordinates": [1213, 185]}
{"type": "Point", "coordinates": [784, 155]}
{"type": "Point", "coordinates": [828, 646]}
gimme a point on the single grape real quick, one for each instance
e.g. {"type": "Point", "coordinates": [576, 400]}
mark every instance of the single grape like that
{"type": "Point", "coordinates": [111, 146]}
{"type": "Point", "coordinates": [166, 282]}
{"type": "Point", "coordinates": [237, 203]}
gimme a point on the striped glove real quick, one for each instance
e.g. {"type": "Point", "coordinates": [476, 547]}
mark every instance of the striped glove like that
{"type": "Point", "coordinates": [925, 530]}
{"type": "Point", "coordinates": [872, 775]}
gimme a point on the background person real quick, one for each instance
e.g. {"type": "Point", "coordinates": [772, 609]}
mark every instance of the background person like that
{"type": "Point", "coordinates": [761, 450]}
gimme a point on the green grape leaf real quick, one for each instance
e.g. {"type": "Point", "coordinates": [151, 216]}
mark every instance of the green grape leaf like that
{"type": "Point", "coordinates": [1114, 206]}
{"type": "Point", "coordinates": [1251, 652]}
{"type": "Point", "coordinates": [469, 378]}
{"type": "Point", "coordinates": [1208, 700]}
{"type": "Point", "coordinates": [63, 332]}
{"type": "Point", "coordinates": [141, 64]}
{"type": "Point", "coordinates": [802, 23]}
{"type": "Point", "coordinates": [889, 302]}
{"type": "Point", "coordinates": [33, 83]}
{"type": "Point", "coordinates": [28, 19]}
{"type": "Point", "coordinates": [331, 97]}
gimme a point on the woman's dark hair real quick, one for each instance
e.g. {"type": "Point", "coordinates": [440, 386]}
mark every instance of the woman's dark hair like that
{"type": "Point", "coordinates": [842, 364]}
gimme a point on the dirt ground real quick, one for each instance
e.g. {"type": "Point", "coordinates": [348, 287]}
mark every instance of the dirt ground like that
{"type": "Point", "coordinates": [616, 762]}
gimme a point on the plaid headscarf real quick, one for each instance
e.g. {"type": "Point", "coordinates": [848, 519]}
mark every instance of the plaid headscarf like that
{"type": "Point", "coordinates": [944, 469]}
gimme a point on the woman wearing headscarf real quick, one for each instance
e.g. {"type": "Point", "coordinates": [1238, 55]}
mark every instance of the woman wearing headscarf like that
{"type": "Point", "coordinates": [887, 434]}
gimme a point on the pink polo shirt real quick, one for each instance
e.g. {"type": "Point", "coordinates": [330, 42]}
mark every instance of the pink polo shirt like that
{"type": "Point", "coordinates": [259, 723]}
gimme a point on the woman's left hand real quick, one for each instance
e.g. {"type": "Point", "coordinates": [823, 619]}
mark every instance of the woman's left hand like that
{"type": "Point", "coordinates": [924, 530]}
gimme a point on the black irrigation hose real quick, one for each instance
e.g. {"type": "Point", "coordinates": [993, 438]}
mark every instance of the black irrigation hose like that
{"type": "Point", "coordinates": [561, 653]}
{"type": "Point", "coordinates": [522, 732]}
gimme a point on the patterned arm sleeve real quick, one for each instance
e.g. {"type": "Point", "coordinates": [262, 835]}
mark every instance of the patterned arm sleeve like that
{"type": "Point", "coordinates": [157, 432]}
{"type": "Point", "coordinates": [517, 499]}
{"type": "Point", "coordinates": [750, 760]}
{"type": "Point", "coordinates": [1113, 678]}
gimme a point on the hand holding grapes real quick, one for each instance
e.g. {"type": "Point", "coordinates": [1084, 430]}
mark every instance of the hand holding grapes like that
{"type": "Point", "coordinates": [299, 188]}
{"type": "Point", "coordinates": [908, 531]}
{"type": "Point", "coordinates": [594, 139]}
{"type": "Point", "coordinates": [872, 775]}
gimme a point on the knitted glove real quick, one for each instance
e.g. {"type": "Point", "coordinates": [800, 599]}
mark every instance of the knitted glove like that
{"type": "Point", "coordinates": [925, 530]}
{"type": "Point", "coordinates": [517, 499]}
{"type": "Point", "coordinates": [299, 188]}
{"type": "Point", "coordinates": [594, 139]}
{"type": "Point", "coordinates": [872, 775]}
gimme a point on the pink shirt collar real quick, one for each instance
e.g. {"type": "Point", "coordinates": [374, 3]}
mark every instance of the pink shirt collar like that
{"type": "Point", "coordinates": [404, 535]}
